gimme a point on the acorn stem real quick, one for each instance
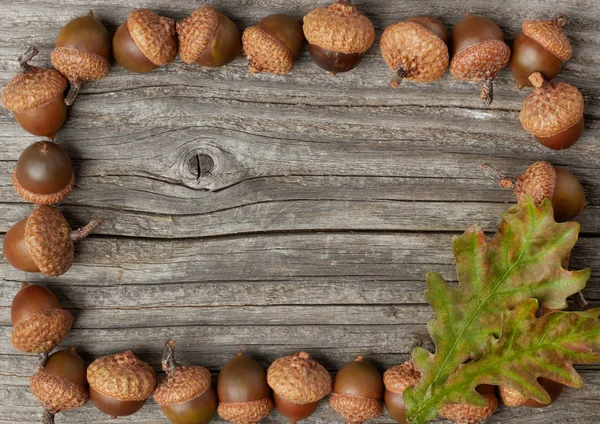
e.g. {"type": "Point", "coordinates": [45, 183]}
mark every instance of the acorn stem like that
{"type": "Point", "coordinates": [398, 77]}
{"type": "Point", "coordinates": [537, 79]}
{"type": "Point", "coordinates": [47, 418]}
{"type": "Point", "coordinates": [501, 179]}
{"type": "Point", "coordinates": [31, 52]}
{"type": "Point", "coordinates": [82, 233]}
{"type": "Point", "coordinates": [73, 92]}
{"type": "Point", "coordinates": [168, 358]}
{"type": "Point", "coordinates": [561, 21]}
{"type": "Point", "coordinates": [487, 92]}
{"type": "Point", "coordinates": [41, 362]}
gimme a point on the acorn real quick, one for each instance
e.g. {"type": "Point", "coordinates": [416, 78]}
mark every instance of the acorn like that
{"type": "Point", "coordinates": [60, 383]}
{"type": "Point", "coordinates": [543, 181]}
{"type": "Point", "coordinates": [43, 242]}
{"type": "Point", "coordinates": [338, 36]}
{"type": "Point", "coordinates": [479, 53]}
{"type": "Point", "coordinates": [273, 44]}
{"type": "Point", "coordinates": [299, 383]}
{"type": "Point", "coordinates": [357, 392]}
{"type": "Point", "coordinates": [416, 50]}
{"type": "Point", "coordinates": [542, 47]}
{"type": "Point", "coordinates": [244, 395]}
{"type": "Point", "coordinates": [469, 414]}
{"type": "Point", "coordinates": [396, 380]}
{"type": "Point", "coordinates": [36, 96]}
{"type": "Point", "coordinates": [185, 395]}
{"type": "Point", "coordinates": [553, 113]}
{"type": "Point", "coordinates": [44, 174]}
{"type": "Point", "coordinates": [208, 38]}
{"type": "Point", "coordinates": [39, 323]}
{"type": "Point", "coordinates": [513, 398]}
{"type": "Point", "coordinates": [145, 42]}
{"type": "Point", "coordinates": [120, 383]}
{"type": "Point", "coordinates": [82, 52]}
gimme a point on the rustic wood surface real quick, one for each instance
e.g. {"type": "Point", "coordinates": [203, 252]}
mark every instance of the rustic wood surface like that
{"type": "Point", "coordinates": [327, 201]}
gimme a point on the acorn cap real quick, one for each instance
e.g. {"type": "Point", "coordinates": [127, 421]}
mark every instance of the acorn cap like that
{"type": "Point", "coordinates": [399, 377]}
{"type": "Point", "coordinates": [355, 409]}
{"type": "Point", "coordinates": [468, 414]}
{"type": "Point", "coordinates": [481, 61]}
{"type": "Point", "coordinates": [196, 32]}
{"type": "Point", "coordinates": [265, 53]}
{"type": "Point", "coordinates": [78, 65]}
{"type": "Point", "coordinates": [551, 36]}
{"type": "Point", "coordinates": [122, 376]}
{"type": "Point", "coordinates": [538, 181]}
{"type": "Point", "coordinates": [57, 394]}
{"type": "Point", "coordinates": [299, 378]}
{"type": "Point", "coordinates": [182, 384]}
{"type": "Point", "coordinates": [42, 332]}
{"type": "Point", "coordinates": [245, 412]}
{"type": "Point", "coordinates": [339, 27]}
{"type": "Point", "coordinates": [42, 199]}
{"type": "Point", "coordinates": [41, 85]}
{"type": "Point", "coordinates": [511, 397]}
{"type": "Point", "coordinates": [421, 53]}
{"type": "Point", "coordinates": [48, 237]}
{"type": "Point", "coordinates": [154, 35]}
{"type": "Point", "coordinates": [551, 108]}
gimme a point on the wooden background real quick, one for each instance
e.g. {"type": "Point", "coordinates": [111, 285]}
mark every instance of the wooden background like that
{"type": "Point", "coordinates": [327, 201]}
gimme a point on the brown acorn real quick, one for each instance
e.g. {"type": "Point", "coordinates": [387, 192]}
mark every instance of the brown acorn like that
{"type": "Point", "coordinates": [553, 113]}
{"type": "Point", "coordinates": [469, 414]}
{"type": "Point", "coordinates": [120, 383]}
{"type": "Point", "coordinates": [543, 181]}
{"type": "Point", "coordinates": [244, 395]}
{"type": "Point", "coordinates": [541, 47]}
{"type": "Point", "coordinates": [43, 242]}
{"type": "Point", "coordinates": [273, 44]}
{"type": "Point", "coordinates": [36, 96]}
{"type": "Point", "coordinates": [416, 50]}
{"type": "Point", "coordinates": [396, 380]}
{"type": "Point", "coordinates": [145, 42]}
{"type": "Point", "coordinates": [479, 53]}
{"type": "Point", "coordinates": [185, 395]}
{"type": "Point", "coordinates": [39, 323]}
{"type": "Point", "coordinates": [338, 36]}
{"type": "Point", "coordinates": [357, 392]}
{"type": "Point", "coordinates": [513, 398]}
{"type": "Point", "coordinates": [44, 174]}
{"type": "Point", "coordinates": [82, 52]}
{"type": "Point", "coordinates": [208, 38]}
{"type": "Point", "coordinates": [299, 383]}
{"type": "Point", "coordinates": [60, 383]}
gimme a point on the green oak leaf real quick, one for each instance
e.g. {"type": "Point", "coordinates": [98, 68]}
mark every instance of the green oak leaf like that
{"type": "Point", "coordinates": [529, 348]}
{"type": "Point", "coordinates": [523, 261]}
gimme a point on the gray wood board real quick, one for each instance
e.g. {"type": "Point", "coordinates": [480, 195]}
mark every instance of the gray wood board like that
{"type": "Point", "coordinates": [328, 201]}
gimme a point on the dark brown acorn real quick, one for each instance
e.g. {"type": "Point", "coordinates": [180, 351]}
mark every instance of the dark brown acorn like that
{"type": "Point", "coordinates": [39, 323]}
{"type": "Point", "coordinates": [208, 38]}
{"type": "Point", "coordinates": [145, 42]}
{"type": "Point", "coordinates": [338, 36]}
{"type": "Point", "coordinates": [43, 242]}
{"type": "Point", "coordinates": [273, 44]}
{"type": "Point", "coordinates": [82, 52]}
{"type": "Point", "coordinates": [541, 47]}
{"type": "Point", "coordinates": [416, 50]}
{"type": "Point", "coordinates": [185, 395]}
{"type": "Point", "coordinates": [553, 113]}
{"type": "Point", "coordinates": [357, 392]}
{"type": "Point", "coordinates": [120, 383]}
{"type": "Point", "coordinates": [299, 383]}
{"type": "Point", "coordinates": [60, 384]}
{"type": "Point", "coordinates": [36, 96]}
{"type": "Point", "coordinates": [396, 380]}
{"type": "Point", "coordinates": [479, 53]}
{"type": "Point", "coordinates": [513, 398]}
{"type": "Point", "coordinates": [44, 174]}
{"type": "Point", "coordinates": [243, 392]}
{"type": "Point", "coordinates": [543, 181]}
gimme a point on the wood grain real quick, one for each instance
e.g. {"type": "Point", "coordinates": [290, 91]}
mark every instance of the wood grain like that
{"type": "Point", "coordinates": [275, 213]}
